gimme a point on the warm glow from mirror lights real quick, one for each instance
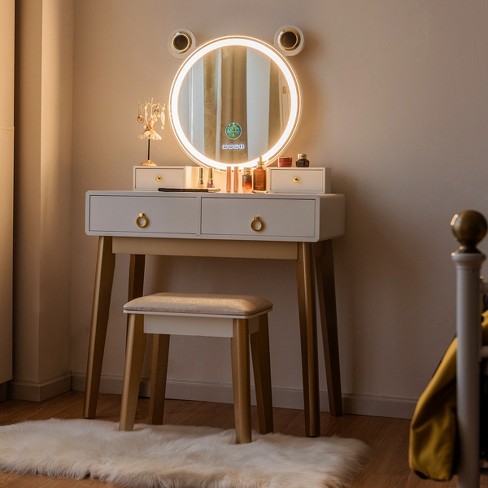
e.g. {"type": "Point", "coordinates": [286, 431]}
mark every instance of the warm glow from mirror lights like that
{"type": "Point", "coordinates": [285, 69]}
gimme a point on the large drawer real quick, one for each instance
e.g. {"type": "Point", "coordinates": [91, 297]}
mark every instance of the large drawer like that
{"type": "Point", "coordinates": [259, 218]}
{"type": "Point", "coordinates": [136, 215]}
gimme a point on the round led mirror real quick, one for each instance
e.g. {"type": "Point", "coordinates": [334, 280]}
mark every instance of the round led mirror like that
{"type": "Point", "coordinates": [233, 100]}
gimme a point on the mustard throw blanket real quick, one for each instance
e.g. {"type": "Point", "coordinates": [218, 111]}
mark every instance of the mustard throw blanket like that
{"type": "Point", "coordinates": [433, 434]}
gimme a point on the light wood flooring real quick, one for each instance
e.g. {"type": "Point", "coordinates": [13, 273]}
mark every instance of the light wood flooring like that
{"type": "Point", "coordinates": [388, 438]}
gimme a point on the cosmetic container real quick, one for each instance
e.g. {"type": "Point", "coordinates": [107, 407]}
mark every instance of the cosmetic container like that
{"type": "Point", "coordinates": [236, 179]}
{"type": "Point", "coordinates": [285, 161]}
{"type": "Point", "coordinates": [228, 186]}
{"type": "Point", "coordinates": [247, 180]}
{"type": "Point", "coordinates": [302, 161]}
{"type": "Point", "coordinates": [200, 183]}
{"type": "Point", "coordinates": [210, 181]}
{"type": "Point", "coordinates": [259, 177]}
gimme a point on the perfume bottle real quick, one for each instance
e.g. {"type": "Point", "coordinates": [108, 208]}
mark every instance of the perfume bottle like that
{"type": "Point", "coordinates": [236, 179]}
{"type": "Point", "coordinates": [259, 176]}
{"type": "Point", "coordinates": [228, 186]}
{"type": "Point", "coordinates": [247, 180]}
{"type": "Point", "coordinates": [200, 183]}
{"type": "Point", "coordinates": [302, 161]}
{"type": "Point", "coordinates": [210, 181]}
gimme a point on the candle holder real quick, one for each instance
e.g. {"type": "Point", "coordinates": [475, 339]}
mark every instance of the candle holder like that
{"type": "Point", "coordinates": [148, 114]}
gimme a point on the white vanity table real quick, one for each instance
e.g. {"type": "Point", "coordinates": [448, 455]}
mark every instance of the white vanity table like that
{"type": "Point", "coordinates": [257, 226]}
{"type": "Point", "coordinates": [234, 102]}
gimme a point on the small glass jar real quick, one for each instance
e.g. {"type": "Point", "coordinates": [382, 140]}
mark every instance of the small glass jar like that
{"type": "Point", "coordinates": [284, 161]}
{"type": "Point", "coordinates": [302, 161]}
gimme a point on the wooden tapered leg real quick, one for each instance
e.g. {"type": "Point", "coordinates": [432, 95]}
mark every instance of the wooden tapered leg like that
{"type": "Point", "coordinates": [262, 375]}
{"type": "Point", "coordinates": [324, 272]}
{"type": "Point", "coordinates": [308, 339]}
{"type": "Point", "coordinates": [134, 360]}
{"type": "Point", "coordinates": [240, 380]}
{"type": "Point", "coordinates": [159, 373]}
{"type": "Point", "coordinates": [102, 291]}
{"type": "Point", "coordinates": [136, 276]}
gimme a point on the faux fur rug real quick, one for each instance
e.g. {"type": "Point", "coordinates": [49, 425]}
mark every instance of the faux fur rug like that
{"type": "Point", "coordinates": [177, 456]}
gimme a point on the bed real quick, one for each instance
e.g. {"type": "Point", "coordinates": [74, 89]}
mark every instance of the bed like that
{"type": "Point", "coordinates": [451, 413]}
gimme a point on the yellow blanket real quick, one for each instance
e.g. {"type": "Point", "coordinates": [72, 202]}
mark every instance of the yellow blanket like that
{"type": "Point", "coordinates": [433, 434]}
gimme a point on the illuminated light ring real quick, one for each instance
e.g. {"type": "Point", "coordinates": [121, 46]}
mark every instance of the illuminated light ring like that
{"type": "Point", "coordinates": [198, 54]}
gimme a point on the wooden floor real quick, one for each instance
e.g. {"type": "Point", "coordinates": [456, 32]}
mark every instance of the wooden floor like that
{"type": "Point", "coordinates": [388, 438]}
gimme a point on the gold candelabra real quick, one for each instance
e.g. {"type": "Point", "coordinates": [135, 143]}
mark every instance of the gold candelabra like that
{"type": "Point", "coordinates": [148, 114]}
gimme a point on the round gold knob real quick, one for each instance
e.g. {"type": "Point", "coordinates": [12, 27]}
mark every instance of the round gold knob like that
{"type": "Point", "coordinates": [257, 225]}
{"type": "Point", "coordinates": [142, 220]}
{"type": "Point", "coordinates": [158, 178]}
{"type": "Point", "coordinates": [296, 180]}
{"type": "Point", "coordinates": [469, 227]}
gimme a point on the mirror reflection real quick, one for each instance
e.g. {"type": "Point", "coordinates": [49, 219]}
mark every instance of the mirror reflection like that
{"type": "Point", "coordinates": [234, 100]}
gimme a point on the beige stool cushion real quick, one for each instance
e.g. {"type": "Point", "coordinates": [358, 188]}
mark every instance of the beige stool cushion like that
{"type": "Point", "coordinates": [199, 304]}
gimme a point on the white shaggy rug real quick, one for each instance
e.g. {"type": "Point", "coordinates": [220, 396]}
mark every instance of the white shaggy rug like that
{"type": "Point", "coordinates": [177, 456]}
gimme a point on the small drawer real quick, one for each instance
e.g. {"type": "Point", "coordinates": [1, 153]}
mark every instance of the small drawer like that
{"type": "Point", "coordinates": [299, 180]}
{"type": "Point", "coordinates": [133, 215]}
{"type": "Point", "coordinates": [259, 218]}
{"type": "Point", "coordinates": [154, 177]}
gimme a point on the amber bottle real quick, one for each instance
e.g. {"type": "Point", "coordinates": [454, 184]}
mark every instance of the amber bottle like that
{"type": "Point", "coordinates": [259, 177]}
{"type": "Point", "coordinates": [247, 180]}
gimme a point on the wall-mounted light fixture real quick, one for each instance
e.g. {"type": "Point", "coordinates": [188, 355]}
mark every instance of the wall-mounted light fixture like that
{"type": "Point", "coordinates": [289, 40]}
{"type": "Point", "coordinates": [181, 43]}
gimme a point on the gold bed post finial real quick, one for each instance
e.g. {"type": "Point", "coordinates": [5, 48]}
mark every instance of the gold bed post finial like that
{"type": "Point", "coordinates": [469, 228]}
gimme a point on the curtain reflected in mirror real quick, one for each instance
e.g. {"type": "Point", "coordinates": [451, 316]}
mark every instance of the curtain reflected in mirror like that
{"type": "Point", "coordinates": [234, 104]}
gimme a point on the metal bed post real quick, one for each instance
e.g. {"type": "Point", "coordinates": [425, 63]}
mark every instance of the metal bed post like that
{"type": "Point", "coordinates": [469, 228]}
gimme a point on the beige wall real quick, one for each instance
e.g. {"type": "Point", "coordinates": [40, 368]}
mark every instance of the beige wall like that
{"type": "Point", "coordinates": [393, 102]}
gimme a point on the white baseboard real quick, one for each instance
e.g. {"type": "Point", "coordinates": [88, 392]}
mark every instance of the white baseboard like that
{"type": "Point", "coordinates": [282, 397]}
{"type": "Point", "coordinates": [38, 392]}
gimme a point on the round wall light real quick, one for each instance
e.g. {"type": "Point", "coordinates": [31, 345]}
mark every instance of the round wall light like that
{"type": "Point", "coordinates": [181, 43]}
{"type": "Point", "coordinates": [289, 39]}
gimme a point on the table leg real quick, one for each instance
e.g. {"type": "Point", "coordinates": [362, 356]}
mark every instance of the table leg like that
{"type": "Point", "coordinates": [324, 273]}
{"type": "Point", "coordinates": [308, 338]}
{"type": "Point", "coordinates": [104, 274]}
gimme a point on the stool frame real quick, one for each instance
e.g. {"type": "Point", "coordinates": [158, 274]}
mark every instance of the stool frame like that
{"type": "Point", "coordinates": [242, 331]}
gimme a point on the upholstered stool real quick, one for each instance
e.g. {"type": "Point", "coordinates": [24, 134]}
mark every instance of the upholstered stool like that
{"type": "Point", "coordinates": [236, 317]}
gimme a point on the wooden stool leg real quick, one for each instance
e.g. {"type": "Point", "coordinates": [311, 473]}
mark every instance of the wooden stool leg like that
{"type": "Point", "coordinates": [134, 360]}
{"type": "Point", "coordinates": [240, 380]}
{"type": "Point", "coordinates": [262, 375]}
{"type": "Point", "coordinates": [159, 375]}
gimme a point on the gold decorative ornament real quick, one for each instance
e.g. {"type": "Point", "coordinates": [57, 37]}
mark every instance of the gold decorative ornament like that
{"type": "Point", "coordinates": [148, 114]}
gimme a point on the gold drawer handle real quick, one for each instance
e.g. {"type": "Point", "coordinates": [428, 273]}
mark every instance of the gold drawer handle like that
{"type": "Point", "coordinates": [296, 180]}
{"type": "Point", "coordinates": [142, 220]}
{"type": "Point", "coordinates": [158, 178]}
{"type": "Point", "coordinates": [257, 225]}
